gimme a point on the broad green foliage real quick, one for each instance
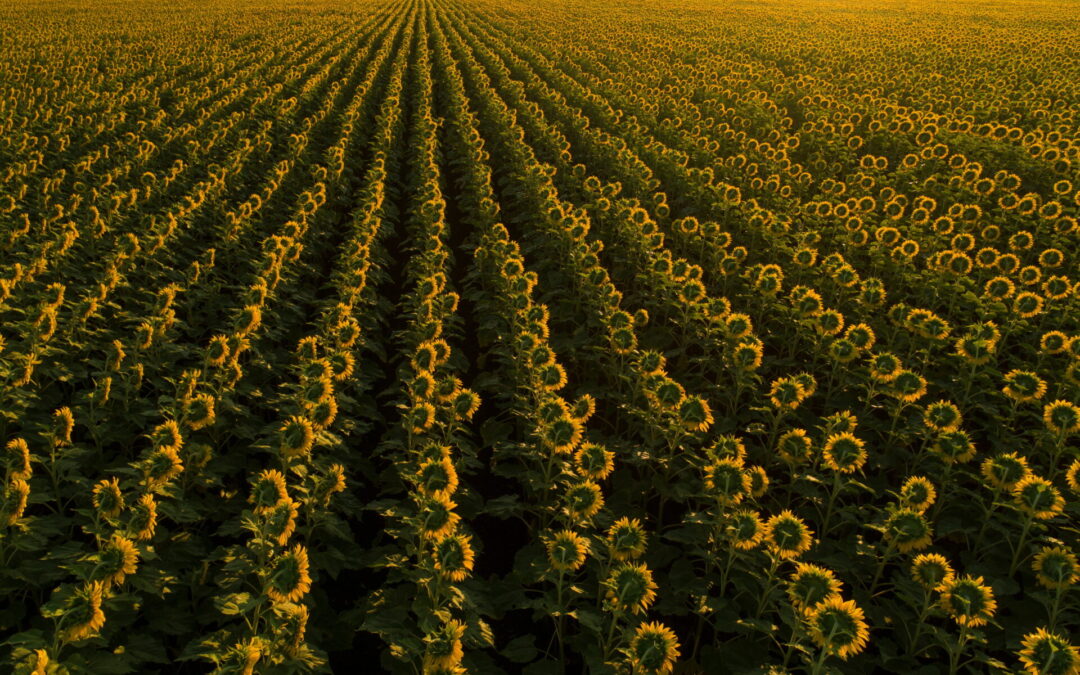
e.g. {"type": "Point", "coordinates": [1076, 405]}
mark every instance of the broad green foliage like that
{"type": "Point", "coordinates": [469, 336]}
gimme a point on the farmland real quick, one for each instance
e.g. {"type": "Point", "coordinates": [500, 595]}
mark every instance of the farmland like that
{"type": "Point", "coordinates": [464, 336]}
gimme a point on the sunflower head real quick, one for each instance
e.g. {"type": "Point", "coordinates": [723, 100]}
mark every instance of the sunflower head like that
{"type": "Point", "coordinates": [931, 570]}
{"type": "Point", "coordinates": [437, 517]}
{"type": "Point", "coordinates": [1038, 497]}
{"type": "Point", "coordinates": [288, 580]}
{"type": "Point", "coordinates": [566, 550]}
{"type": "Point", "coordinates": [107, 497]}
{"type": "Point", "coordinates": [918, 493]}
{"type": "Point", "coordinates": [968, 601]}
{"type": "Point", "coordinates": [1004, 471]}
{"type": "Point", "coordinates": [83, 615]}
{"type": "Point", "coordinates": [787, 536]}
{"type": "Point", "coordinates": [594, 461]}
{"type": "Point", "coordinates": [954, 447]}
{"type": "Point", "coordinates": [1062, 418]}
{"type": "Point", "coordinates": [695, 414]}
{"type": "Point", "coordinates": [443, 650]}
{"type": "Point", "coordinates": [727, 447]}
{"type": "Point", "coordinates": [1046, 653]}
{"type": "Point", "coordinates": [627, 539]}
{"type": "Point", "coordinates": [838, 626]}
{"type": "Point", "coordinates": [654, 649]}
{"type": "Point", "coordinates": [297, 436]}
{"type": "Point", "coordinates": [745, 530]}
{"type": "Point", "coordinates": [267, 490]}
{"type": "Point", "coordinates": [942, 416]}
{"type": "Point", "coordinates": [907, 530]}
{"type": "Point", "coordinates": [810, 585]}
{"type": "Point", "coordinates": [454, 556]}
{"type": "Point", "coordinates": [844, 453]}
{"type": "Point", "coordinates": [630, 588]}
{"type": "Point", "coordinates": [584, 500]}
{"type": "Point", "coordinates": [1056, 567]}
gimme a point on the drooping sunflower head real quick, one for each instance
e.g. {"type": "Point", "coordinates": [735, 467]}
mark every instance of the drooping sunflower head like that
{"type": "Point", "coordinates": [1023, 386]}
{"type": "Point", "coordinates": [566, 550]}
{"type": "Point", "coordinates": [908, 386]}
{"type": "Point", "coordinates": [17, 459]}
{"type": "Point", "coordinates": [1062, 418]}
{"type": "Point", "coordinates": [787, 536]}
{"type": "Point", "coordinates": [1038, 497]}
{"type": "Point", "coordinates": [1056, 567]}
{"type": "Point", "coordinates": [454, 556]}
{"type": "Point", "coordinates": [83, 615]}
{"type": "Point", "coordinates": [630, 588]}
{"type": "Point", "coordinates": [443, 652]}
{"type": "Point", "coordinates": [844, 453]}
{"type": "Point", "coordinates": [288, 579]}
{"type": "Point", "coordinates": [297, 436]}
{"type": "Point", "coordinates": [918, 493]}
{"type": "Point", "coordinates": [117, 559]}
{"type": "Point", "coordinates": [810, 585]}
{"type": "Point", "coordinates": [908, 530]}
{"type": "Point", "coordinates": [931, 570]}
{"type": "Point", "coordinates": [267, 490]}
{"type": "Point", "coordinates": [280, 520]}
{"type": "Point", "coordinates": [107, 497]}
{"type": "Point", "coordinates": [795, 446]}
{"type": "Point", "coordinates": [143, 520]}
{"type": "Point", "coordinates": [695, 414]}
{"type": "Point", "coordinates": [745, 530]}
{"type": "Point", "coordinates": [954, 447]}
{"type": "Point", "coordinates": [1072, 477]}
{"type": "Point", "coordinates": [594, 461]}
{"type": "Point", "coordinates": [627, 539]}
{"type": "Point", "coordinates": [726, 481]}
{"type": "Point", "coordinates": [1005, 470]}
{"type": "Point", "coordinates": [942, 416]}
{"type": "Point", "coordinates": [786, 393]}
{"type": "Point", "coordinates": [839, 627]}
{"type": "Point", "coordinates": [968, 601]}
{"type": "Point", "coordinates": [437, 517]}
{"type": "Point", "coordinates": [584, 500]}
{"type": "Point", "coordinates": [1046, 653]}
{"type": "Point", "coordinates": [759, 480]}
{"type": "Point", "coordinates": [654, 649]}
{"type": "Point", "coordinates": [437, 477]}
{"type": "Point", "coordinates": [727, 447]}
{"type": "Point", "coordinates": [885, 366]}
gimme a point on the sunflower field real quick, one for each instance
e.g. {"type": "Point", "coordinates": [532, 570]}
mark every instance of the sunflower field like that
{"type": "Point", "coordinates": [437, 337]}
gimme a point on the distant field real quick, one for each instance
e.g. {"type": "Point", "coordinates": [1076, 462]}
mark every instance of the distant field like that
{"type": "Point", "coordinates": [464, 336]}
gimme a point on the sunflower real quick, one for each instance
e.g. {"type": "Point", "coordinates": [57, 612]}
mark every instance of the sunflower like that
{"type": "Point", "coordinates": [444, 651]}
{"type": "Point", "coordinates": [1072, 476]}
{"type": "Point", "coordinates": [566, 550]}
{"type": "Point", "coordinates": [84, 612]}
{"type": "Point", "coordinates": [786, 393]}
{"type": "Point", "coordinates": [745, 529]}
{"type": "Point", "coordinates": [842, 422]}
{"type": "Point", "coordinates": [267, 490]}
{"type": "Point", "coordinates": [885, 366]}
{"type": "Point", "coordinates": [695, 414]}
{"type": "Point", "coordinates": [838, 626]}
{"type": "Point", "coordinates": [13, 501]}
{"type": "Point", "coordinates": [631, 588]}
{"type": "Point", "coordinates": [1062, 417]}
{"type": "Point", "coordinates": [435, 478]}
{"type": "Point", "coordinates": [654, 649]}
{"type": "Point", "coordinates": [293, 627]}
{"type": "Point", "coordinates": [626, 539]}
{"type": "Point", "coordinates": [727, 481]}
{"type": "Point", "coordinates": [1005, 470]}
{"type": "Point", "coordinates": [968, 601]}
{"type": "Point", "coordinates": [280, 520]}
{"type": "Point", "coordinates": [918, 493]}
{"type": "Point", "coordinates": [942, 416]}
{"type": "Point", "coordinates": [143, 521]}
{"type": "Point", "coordinates": [931, 570]}
{"type": "Point", "coordinates": [1047, 653]}
{"type": "Point", "coordinates": [288, 579]}
{"type": "Point", "coordinates": [63, 424]}
{"type": "Point", "coordinates": [107, 497]}
{"type": "Point", "coordinates": [954, 447]}
{"type": "Point", "coordinates": [584, 500]}
{"type": "Point", "coordinates": [436, 517]}
{"type": "Point", "coordinates": [594, 461]}
{"type": "Point", "coordinates": [1056, 567]}
{"type": "Point", "coordinates": [795, 446]}
{"type": "Point", "coordinates": [563, 434]}
{"type": "Point", "coordinates": [810, 585]}
{"type": "Point", "coordinates": [1023, 386]}
{"type": "Point", "coordinates": [727, 447]}
{"type": "Point", "coordinates": [297, 437]}
{"type": "Point", "coordinates": [1038, 497]}
{"type": "Point", "coordinates": [908, 386]}
{"type": "Point", "coordinates": [162, 465]}
{"type": "Point", "coordinates": [454, 556]}
{"type": "Point", "coordinates": [117, 559]}
{"type": "Point", "coordinates": [787, 536]}
{"type": "Point", "coordinates": [907, 529]}
{"type": "Point", "coordinates": [844, 453]}
{"type": "Point", "coordinates": [330, 483]}
{"type": "Point", "coordinates": [1053, 342]}
{"type": "Point", "coordinates": [166, 436]}
{"type": "Point", "coordinates": [18, 459]}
